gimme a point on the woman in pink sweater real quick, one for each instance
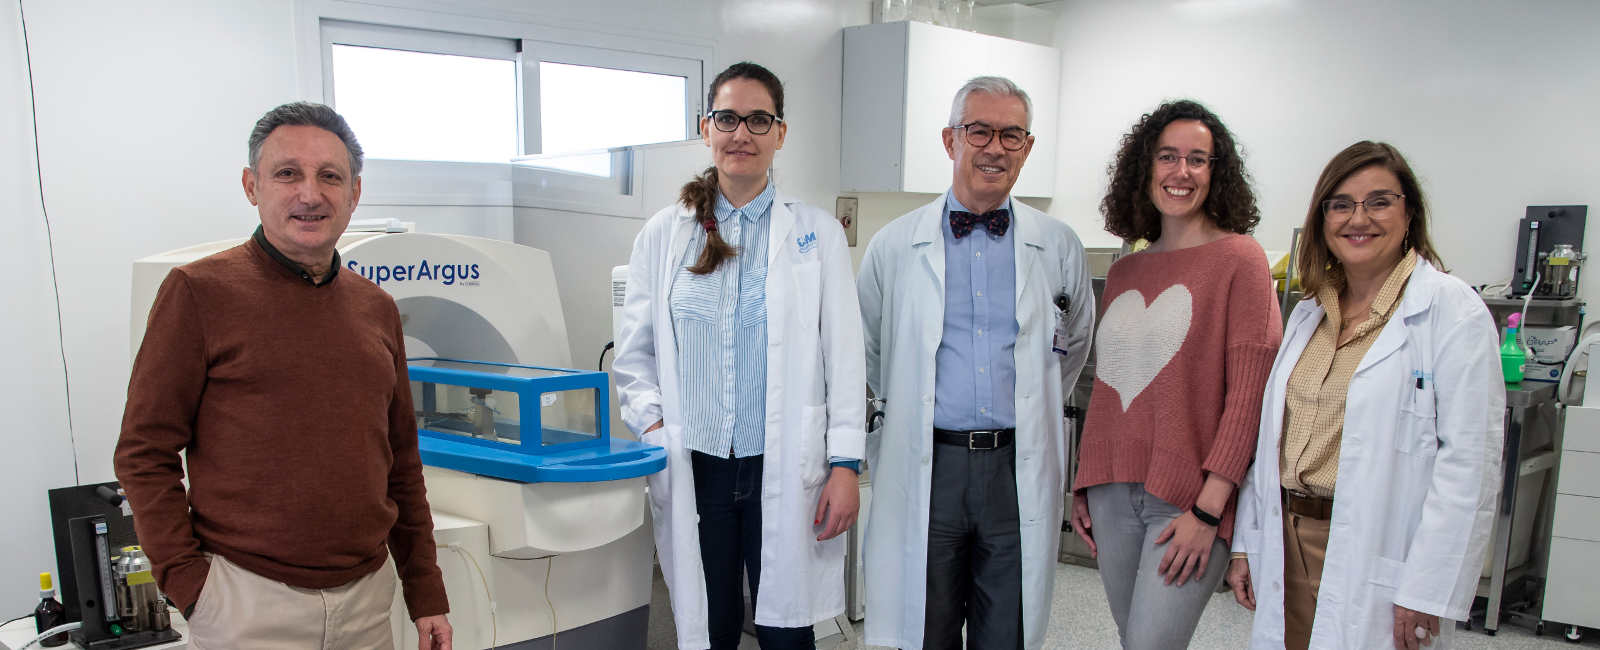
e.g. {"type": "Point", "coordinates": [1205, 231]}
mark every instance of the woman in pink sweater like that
{"type": "Point", "coordinates": [1182, 356]}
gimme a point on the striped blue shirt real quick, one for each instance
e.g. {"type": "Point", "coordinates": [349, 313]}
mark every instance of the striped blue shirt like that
{"type": "Point", "coordinates": [720, 324]}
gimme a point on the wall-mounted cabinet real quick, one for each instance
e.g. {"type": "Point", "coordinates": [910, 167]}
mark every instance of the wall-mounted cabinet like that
{"type": "Point", "coordinates": [899, 80]}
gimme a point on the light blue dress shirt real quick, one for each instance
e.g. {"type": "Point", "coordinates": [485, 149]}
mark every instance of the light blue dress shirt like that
{"type": "Point", "coordinates": [975, 365]}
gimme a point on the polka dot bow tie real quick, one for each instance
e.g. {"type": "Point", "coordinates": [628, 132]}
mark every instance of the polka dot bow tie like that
{"type": "Point", "coordinates": [995, 221]}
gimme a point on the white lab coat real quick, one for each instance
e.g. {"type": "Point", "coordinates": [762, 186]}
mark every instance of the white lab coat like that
{"type": "Point", "coordinates": [902, 299]}
{"type": "Point", "coordinates": [816, 408]}
{"type": "Point", "coordinates": [1419, 472]}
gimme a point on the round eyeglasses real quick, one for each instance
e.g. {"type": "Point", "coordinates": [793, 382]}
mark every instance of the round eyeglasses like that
{"type": "Point", "coordinates": [980, 135]}
{"type": "Point", "coordinates": [1377, 206]}
{"type": "Point", "coordinates": [757, 123]}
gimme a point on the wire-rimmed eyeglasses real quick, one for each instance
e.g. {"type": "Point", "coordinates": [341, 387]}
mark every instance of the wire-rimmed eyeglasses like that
{"type": "Point", "coordinates": [1377, 206]}
{"type": "Point", "coordinates": [757, 123]}
{"type": "Point", "coordinates": [980, 135]}
{"type": "Point", "coordinates": [1196, 160]}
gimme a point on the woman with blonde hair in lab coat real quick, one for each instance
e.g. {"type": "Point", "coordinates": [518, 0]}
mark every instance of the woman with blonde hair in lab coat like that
{"type": "Point", "coordinates": [1366, 517]}
{"type": "Point", "coordinates": [741, 353]}
{"type": "Point", "coordinates": [1189, 328]}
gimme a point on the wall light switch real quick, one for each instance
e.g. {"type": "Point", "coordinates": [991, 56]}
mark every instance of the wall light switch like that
{"type": "Point", "coordinates": [845, 210]}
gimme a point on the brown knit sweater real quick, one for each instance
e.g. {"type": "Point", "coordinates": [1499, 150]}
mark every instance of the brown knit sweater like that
{"type": "Point", "coordinates": [1181, 359]}
{"type": "Point", "coordinates": [291, 405]}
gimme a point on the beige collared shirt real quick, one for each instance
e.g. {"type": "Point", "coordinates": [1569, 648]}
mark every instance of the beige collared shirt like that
{"type": "Point", "coordinates": [1314, 407]}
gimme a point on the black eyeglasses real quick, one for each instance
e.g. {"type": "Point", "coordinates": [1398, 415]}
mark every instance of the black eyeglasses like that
{"type": "Point", "coordinates": [756, 123]}
{"type": "Point", "coordinates": [1197, 161]}
{"type": "Point", "coordinates": [980, 135]}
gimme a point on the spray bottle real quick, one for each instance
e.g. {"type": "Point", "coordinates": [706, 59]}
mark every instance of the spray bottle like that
{"type": "Point", "coordinates": [1511, 355]}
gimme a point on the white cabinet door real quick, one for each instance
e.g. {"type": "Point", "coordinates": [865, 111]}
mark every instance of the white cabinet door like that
{"type": "Point", "coordinates": [899, 80]}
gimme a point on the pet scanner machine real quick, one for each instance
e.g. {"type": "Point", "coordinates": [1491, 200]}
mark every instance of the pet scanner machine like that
{"type": "Point", "coordinates": [538, 511]}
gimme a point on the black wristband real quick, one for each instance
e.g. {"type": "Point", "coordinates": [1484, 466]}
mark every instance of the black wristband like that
{"type": "Point", "coordinates": [1205, 517]}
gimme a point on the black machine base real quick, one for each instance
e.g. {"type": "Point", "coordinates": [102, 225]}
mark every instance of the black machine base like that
{"type": "Point", "coordinates": [127, 641]}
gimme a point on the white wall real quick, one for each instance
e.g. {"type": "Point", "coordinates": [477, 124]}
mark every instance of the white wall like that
{"type": "Point", "coordinates": [1492, 102]}
{"type": "Point", "coordinates": [143, 115]}
{"type": "Point", "coordinates": [32, 389]}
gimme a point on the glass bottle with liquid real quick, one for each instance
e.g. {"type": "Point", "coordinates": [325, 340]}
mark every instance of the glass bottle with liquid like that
{"type": "Point", "coordinates": [49, 613]}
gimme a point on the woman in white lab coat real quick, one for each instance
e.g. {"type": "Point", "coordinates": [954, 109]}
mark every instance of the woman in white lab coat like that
{"type": "Point", "coordinates": [740, 351]}
{"type": "Point", "coordinates": [1367, 514]}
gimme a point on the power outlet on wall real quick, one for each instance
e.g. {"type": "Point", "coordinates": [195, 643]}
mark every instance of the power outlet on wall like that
{"type": "Point", "coordinates": [845, 211]}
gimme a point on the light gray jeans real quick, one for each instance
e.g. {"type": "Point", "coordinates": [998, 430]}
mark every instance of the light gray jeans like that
{"type": "Point", "coordinates": [1150, 614]}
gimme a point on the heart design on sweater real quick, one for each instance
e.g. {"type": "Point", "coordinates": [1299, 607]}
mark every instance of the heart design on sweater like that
{"type": "Point", "coordinates": [1136, 342]}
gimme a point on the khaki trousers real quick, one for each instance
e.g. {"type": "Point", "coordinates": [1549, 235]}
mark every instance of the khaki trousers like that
{"type": "Point", "coordinates": [240, 609]}
{"type": "Point", "coordinates": [1305, 546]}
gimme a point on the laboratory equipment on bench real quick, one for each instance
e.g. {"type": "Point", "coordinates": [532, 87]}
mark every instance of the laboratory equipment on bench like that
{"type": "Point", "coordinates": [106, 579]}
{"type": "Point", "coordinates": [1549, 241]}
{"type": "Point", "coordinates": [538, 512]}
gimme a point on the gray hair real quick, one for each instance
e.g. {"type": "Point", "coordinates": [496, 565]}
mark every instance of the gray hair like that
{"type": "Point", "coordinates": [994, 86]}
{"type": "Point", "coordinates": [305, 114]}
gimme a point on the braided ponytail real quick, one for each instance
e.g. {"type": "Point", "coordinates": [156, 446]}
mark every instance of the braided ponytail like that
{"type": "Point", "coordinates": [700, 195]}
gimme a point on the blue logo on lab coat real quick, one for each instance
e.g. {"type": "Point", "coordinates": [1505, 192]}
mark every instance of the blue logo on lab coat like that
{"type": "Point", "coordinates": [807, 243]}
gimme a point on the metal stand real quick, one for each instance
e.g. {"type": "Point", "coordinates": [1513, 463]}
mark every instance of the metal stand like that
{"type": "Point", "coordinates": [1530, 425]}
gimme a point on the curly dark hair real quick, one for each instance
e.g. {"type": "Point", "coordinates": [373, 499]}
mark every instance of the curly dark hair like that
{"type": "Point", "coordinates": [1127, 207]}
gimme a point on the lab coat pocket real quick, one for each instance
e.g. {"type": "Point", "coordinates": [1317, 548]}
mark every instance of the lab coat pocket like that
{"type": "Point", "coordinates": [813, 445]}
{"type": "Point", "coordinates": [806, 303]}
{"type": "Point", "coordinates": [1386, 573]}
{"type": "Point", "coordinates": [1417, 430]}
{"type": "Point", "coordinates": [874, 439]}
{"type": "Point", "coordinates": [658, 483]}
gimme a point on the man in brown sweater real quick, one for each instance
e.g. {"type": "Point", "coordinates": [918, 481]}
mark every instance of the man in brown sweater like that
{"type": "Point", "coordinates": [282, 382]}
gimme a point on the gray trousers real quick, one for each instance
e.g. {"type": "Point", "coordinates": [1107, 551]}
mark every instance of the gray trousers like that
{"type": "Point", "coordinates": [974, 550]}
{"type": "Point", "coordinates": [1150, 614]}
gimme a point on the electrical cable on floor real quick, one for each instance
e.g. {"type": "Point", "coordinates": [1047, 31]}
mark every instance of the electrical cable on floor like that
{"type": "Point", "coordinates": [494, 625]}
{"type": "Point", "coordinates": [50, 241]}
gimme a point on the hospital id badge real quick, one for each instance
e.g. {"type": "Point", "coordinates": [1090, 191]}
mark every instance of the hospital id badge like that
{"type": "Point", "coordinates": [1062, 337]}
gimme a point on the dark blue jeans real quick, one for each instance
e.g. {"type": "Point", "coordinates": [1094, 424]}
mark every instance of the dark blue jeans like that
{"type": "Point", "coordinates": [727, 495]}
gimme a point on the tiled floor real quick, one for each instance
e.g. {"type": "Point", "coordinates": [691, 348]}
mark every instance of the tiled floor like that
{"type": "Point", "coordinates": [1079, 619]}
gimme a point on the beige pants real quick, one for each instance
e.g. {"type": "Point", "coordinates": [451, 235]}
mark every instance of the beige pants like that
{"type": "Point", "coordinates": [1305, 546]}
{"type": "Point", "coordinates": [240, 609]}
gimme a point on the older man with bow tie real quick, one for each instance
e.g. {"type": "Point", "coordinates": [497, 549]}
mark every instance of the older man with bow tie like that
{"type": "Point", "coordinates": [978, 313]}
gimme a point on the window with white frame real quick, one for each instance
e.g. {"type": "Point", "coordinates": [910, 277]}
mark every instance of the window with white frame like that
{"type": "Point", "coordinates": [416, 94]}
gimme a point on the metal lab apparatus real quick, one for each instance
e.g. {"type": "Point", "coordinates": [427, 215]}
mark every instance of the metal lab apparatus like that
{"type": "Point", "coordinates": [117, 596]}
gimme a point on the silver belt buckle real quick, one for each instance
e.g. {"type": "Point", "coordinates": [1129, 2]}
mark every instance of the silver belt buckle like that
{"type": "Point", "coordinates": [994, 441]}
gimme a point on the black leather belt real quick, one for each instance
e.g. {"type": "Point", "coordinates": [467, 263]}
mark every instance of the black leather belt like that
{"type": "Point", "coordinates": [975, 440]}
{"type": "Point", "coordinates": [1307, 505]}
